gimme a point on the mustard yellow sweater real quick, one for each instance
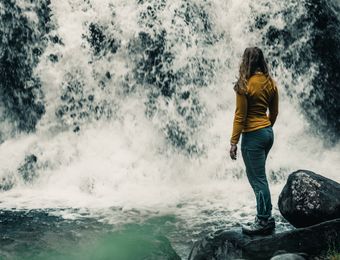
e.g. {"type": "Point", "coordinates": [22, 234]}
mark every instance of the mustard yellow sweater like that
{"type": "Point", "coordinates": [251, 107]}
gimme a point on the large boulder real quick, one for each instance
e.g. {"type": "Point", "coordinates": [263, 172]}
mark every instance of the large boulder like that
{"type": "Point", "coordinates": [232, 244]}
{"type": "Point", "coordinates": [309, 198]}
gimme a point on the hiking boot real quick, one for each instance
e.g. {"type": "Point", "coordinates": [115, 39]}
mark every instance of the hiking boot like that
{"type": "Point", "coordinates": [260, 227]}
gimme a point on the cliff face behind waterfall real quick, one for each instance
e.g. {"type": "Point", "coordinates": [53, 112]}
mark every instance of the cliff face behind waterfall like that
{"type": "Point", "coordinates": [99, 98]}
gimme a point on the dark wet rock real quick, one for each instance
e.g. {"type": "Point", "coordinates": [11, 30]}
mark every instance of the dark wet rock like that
{"type": "Point", "coordinates": [154, 71]}
{"type": "Point", "coordinates": [77, 104]}
{"type": "Point", "coordinates": [321, 50]}
{"type": "Point", "coordinates": [28, 169]}
{"type": "Point", "coordinates": [7, 182]}
{"type": "Point", "coordinates": [100, 40]}
{"type": "Point", "coordinates": [153, 68]}
{"type": "Point", "coordinates": [324, 18]}
{"type": "Point", "coordinates": [231, 244]}
{"type": "Point", "coordinates": [23, 41]}
{"type": "Point", "coordinates": [56, 39]}
{"type": "Point", "coordinates": [309, 198]}
{"type": "Point", "coordinates": [179, 138]}
{"type": "Point", "coordinates": [53, 58]}
{"type": "Point", "coordinates": [153, 51]}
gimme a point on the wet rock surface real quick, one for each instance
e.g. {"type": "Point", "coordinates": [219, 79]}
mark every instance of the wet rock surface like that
{"type": "Point", "coordinates": [320, 22]}
{"type": "Point", "coordinates": [232, 244]}
{"type": "Point", "coordinates": [309, 198]}
{"type": "Point", "coordinates": [23, 34]}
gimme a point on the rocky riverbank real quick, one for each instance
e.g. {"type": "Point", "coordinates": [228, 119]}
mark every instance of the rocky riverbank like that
{"type": "Point", "coordinates": [309, 202]}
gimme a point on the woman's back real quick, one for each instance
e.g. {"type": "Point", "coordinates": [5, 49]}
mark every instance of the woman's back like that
{"type": "Point", "coordinates": [251, 107]}
{"type": "Point", "coordinates": [261, 95]}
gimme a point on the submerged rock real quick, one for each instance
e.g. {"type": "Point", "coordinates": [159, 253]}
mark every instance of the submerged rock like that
{"type": "Point", "coordinates": [232, 244]}
{"type": "Point", "coordinates": [309, 198]}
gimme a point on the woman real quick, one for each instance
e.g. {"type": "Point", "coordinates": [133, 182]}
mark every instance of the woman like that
{"type": "Point", "coordinates": [255, 92]}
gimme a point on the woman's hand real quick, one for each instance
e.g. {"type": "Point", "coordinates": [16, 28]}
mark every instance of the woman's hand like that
{"type": "Point", "coordinates": [233, 151]}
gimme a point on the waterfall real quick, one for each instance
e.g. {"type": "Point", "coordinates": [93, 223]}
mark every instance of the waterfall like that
{"type": "Point", "coordinates": [129, 104]}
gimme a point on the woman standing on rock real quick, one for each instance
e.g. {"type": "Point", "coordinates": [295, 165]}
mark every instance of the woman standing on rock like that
{"type": "Point", "coordinates": [255, 93]}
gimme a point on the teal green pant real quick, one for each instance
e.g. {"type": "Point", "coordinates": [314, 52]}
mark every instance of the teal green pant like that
{"type": "Point", "coordinates": [255, 147]}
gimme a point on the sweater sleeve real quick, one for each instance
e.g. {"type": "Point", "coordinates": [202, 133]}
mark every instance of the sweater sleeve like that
{"type": "Point", "coordinates": [274, 107]}
{"type": "Point", "coordinates": [239, 117]}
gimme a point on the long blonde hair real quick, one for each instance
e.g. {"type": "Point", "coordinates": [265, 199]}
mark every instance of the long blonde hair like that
{"type": "Point", "coordinates": [252, 61]}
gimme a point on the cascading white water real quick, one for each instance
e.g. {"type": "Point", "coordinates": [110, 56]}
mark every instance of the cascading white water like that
{"type": "Point", "coordinates": [106, 139]}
